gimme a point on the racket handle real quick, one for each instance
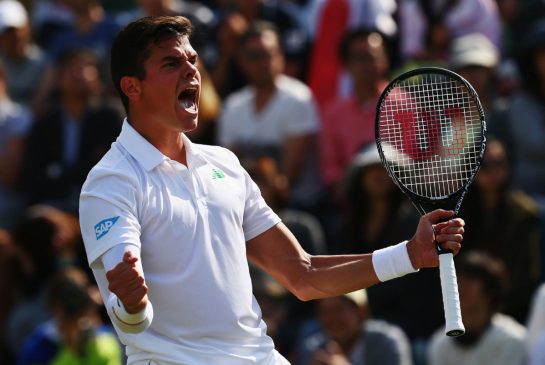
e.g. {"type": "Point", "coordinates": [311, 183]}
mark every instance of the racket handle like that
{"type": "Point", "coordinates": [451, 300]}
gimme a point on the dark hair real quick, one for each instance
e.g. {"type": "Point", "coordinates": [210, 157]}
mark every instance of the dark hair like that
{"type": "Point", "coordinates": [72, 53]}
{"type": "Point", "coordinates": [257, 29]}
{"type": "Point", "coordinates": [491, 271]}
{"type": "Point", "coordinates": [68, 290]}
{"type": "Point", "coordinates": [349, 37]}
{"type": "Point", "coordinates": [132, 46]}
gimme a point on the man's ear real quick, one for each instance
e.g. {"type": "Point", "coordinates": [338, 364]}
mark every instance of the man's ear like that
{"type": "Point", "coordinates": [130, 86]}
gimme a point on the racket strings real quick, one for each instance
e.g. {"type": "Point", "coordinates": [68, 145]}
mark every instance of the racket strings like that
{"type": "Point", "coordinates": [431, 134]}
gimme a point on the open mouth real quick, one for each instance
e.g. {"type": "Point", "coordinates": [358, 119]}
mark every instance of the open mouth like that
{"type": "Point", "coordinates": [188, 99]}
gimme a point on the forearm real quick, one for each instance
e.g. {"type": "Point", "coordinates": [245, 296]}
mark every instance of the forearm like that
{"type": "Point", "coordinates": [328, 276]}
{"type": "Point", "coordinates": [312, 277]}
{"type": "Point", "coordinates": [132, 318]}
{"type": "Point", "coordinates": [335, 275]}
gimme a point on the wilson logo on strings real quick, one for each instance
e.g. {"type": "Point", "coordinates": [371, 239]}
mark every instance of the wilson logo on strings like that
{"type": "Point", "coordinates": [104, 226]}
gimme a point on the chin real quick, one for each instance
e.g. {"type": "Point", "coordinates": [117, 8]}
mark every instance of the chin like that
{"type": "Point", "coordinates": [190, 126]}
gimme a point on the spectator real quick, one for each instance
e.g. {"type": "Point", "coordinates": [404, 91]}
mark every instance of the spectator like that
{"type": "Point", "coordinates": [491, 338]}
{"type": "Point", "coordinates": [235, 18]}
{"type": "Point", "coordinates": [275, 115]}
{"type": "Point", "coordinates": [225, 72]}
{"type": "Point", "coordinates": [375, 212]}
{"type": "Point", "coordinates": [520, 122]}
{"type": "Point", "coordinates": [48, 239]}
{"type": "Point", "coordinates": [505, 224]}
{"type": "Point", "coordinates": [292, 36]}
{"type": "Point", "coordinates": [348, 123]}
{"type": "Point", "coordinates": [349, 336]}
{"type": "Point", "coordinates": [426, 27]}
{"type": "Point", "coordinates": [14, 270]}
{"type": "Point", "coordinates": [48, 18]}
{"type": "Point", "coordinates": [15, 122]}
{"type": "Point", "coordinates": [330, 20]}
{"type": "Point", "coordinates": [74, 334]}
{"type": "Point", "coordinates": [475, 58]}
{"type": "Point", "coordinates": [68, 140]}
{"type": "Point", "coordinates": [92, 28]}
{"type": "Point", "coordinates": [23, 60]}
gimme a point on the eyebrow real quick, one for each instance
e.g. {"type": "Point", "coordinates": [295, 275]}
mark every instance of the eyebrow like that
{"type": "Point", "coordinates": [171, 58]}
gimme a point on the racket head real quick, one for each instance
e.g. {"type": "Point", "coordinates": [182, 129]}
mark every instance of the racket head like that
{"type": "Point", "coordinates": [430, 132]}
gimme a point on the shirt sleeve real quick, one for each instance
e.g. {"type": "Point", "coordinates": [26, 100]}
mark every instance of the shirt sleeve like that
{"type": "Point", "coordinates": [108, 214]}
{"type": "Point", "coordinates": [258, 216]}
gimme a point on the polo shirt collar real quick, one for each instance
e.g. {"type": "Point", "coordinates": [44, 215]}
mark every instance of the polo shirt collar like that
{"type": "Point", "coordinates": [147, 154]}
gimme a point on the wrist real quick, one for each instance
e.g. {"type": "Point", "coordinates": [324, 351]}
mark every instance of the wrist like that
{"type": "Point", "coordinates": [133, 309]}
{"type": "Point", "coordinates": [413, 256]}
{"type": "Point", "coordinates": [392, 262]}
{"type": "Point", "coordinates": [132, 316]}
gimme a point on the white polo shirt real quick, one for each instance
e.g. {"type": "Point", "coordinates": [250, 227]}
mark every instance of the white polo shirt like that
{"type": "Point", "coordinates": [191, 225]}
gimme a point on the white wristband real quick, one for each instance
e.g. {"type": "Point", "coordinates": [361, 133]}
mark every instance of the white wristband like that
{"type": "Point", "coordinates": [392, 262]}
{"type": "Point", "coordinates": [129, 322]}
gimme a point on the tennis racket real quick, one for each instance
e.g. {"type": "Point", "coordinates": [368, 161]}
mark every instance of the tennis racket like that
{"type": "Point", "coordinates": [430, 134]}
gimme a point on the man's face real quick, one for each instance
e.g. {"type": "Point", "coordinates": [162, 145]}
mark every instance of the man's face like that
{"type": "Point", "coordinates": [80, 77]}
{"type": "Point", "coordinates": [339, 318]}
{"type": "Point", "coordinates": [14, 41]}
{"type": "Point", "coordinates": [367, 59]}
{"type": "Point", "coordinates": [261, 59]}
{"type": "Point", "coordinates": [171, 88]}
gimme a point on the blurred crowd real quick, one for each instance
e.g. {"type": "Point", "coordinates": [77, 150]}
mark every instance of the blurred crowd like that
{"type": "Point", "coordinates": [291, 87]}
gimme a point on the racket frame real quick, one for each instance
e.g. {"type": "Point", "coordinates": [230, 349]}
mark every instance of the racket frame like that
{"type": "Point", "coordinates": [453, 201]}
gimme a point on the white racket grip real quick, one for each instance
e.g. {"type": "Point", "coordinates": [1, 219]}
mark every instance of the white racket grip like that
{"type": "Point", "coordinates": [451, 300]}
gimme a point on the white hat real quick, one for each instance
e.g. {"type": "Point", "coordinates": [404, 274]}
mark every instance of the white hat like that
{"type": "Point", "coordinates": [473, 50]}
{"type": "Point", "coordinates": [367, 156]}
{"type": "Point", "coordinates": [359, 297]}
{"type": "Point", "coordinates": [12, 15]}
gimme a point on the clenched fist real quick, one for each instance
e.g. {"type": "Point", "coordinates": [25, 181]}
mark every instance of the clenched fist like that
{"type": "Point", "coordinates": [126, 281]}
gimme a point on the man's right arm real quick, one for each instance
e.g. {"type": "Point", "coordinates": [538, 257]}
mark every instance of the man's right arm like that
{"type": "Point", "coordinates": [128, 304]}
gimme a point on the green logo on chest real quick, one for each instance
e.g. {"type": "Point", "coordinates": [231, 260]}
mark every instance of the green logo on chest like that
{"type": "Point", "coordinates": [217, 174]}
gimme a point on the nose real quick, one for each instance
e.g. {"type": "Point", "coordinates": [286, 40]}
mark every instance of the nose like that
{"type": "Point", "coordinates": [190, 70]}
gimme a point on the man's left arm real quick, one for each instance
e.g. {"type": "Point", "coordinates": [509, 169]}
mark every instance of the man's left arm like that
{"type": "Point", "coordinates": [311, 277]}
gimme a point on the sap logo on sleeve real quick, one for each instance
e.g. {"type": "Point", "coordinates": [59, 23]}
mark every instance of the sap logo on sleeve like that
{"type": "Point", "coordinates": [103, 227]}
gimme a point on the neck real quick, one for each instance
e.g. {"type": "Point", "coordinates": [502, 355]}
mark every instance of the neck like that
{"type": "Point", "coordinates": [168, 141]}
{"type": "Point", "coordinates": [263, 95]}
{"type": "Point", "coordinates": [366, 91]}
{"type": "Point", "coordinates": [490, 199]}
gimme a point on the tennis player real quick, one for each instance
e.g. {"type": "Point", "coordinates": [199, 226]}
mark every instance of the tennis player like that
{"type": "Point", "coordinates": [169, 225]}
